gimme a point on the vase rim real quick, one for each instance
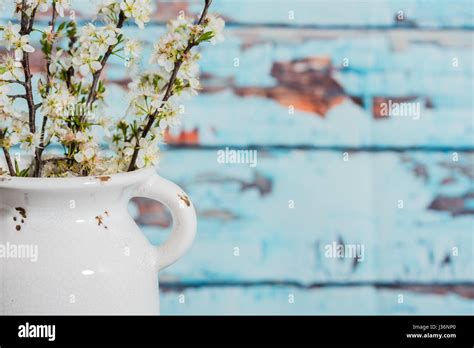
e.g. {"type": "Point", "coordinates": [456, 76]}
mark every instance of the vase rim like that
{"type": "Point", "coordinates": [82, 182]}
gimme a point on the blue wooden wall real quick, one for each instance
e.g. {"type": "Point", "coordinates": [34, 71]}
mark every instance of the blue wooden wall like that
{"type": "Point", "coordinates": [302, 82]}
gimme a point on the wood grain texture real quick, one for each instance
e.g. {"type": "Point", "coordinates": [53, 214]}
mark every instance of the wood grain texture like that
{"type": "Point", "coordinates": [310, 13]}
{"type": "Point", "coordinates": [305, 91]}
{"type": "Point", "coordinates": [353, 202]}
{"type": "Point", "coordinates": [324, 301]}
{"type": "Point", "coordinates": [282, 93]}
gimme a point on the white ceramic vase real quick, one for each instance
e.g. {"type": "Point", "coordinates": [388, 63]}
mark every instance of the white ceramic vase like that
{"type": "Point", "coordinates": [91, 257]}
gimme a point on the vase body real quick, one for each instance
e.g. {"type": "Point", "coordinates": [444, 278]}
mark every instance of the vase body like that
{"type": "Point", "coordinates": [69, 246]}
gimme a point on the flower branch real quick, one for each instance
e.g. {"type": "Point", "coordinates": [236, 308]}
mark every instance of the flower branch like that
{"type": "Point", "coordinates": [13, 81]}
{"type": "Point", "coordinates": [73, 93]}
{"type": "Point", "coordinates": [192, 42]}
{"type": "Point", "coordinates": [49, 43]}
{"type": "Point", "coordinates": [95, 77]}
{"type": "Point", "coordinates": [23, 52]}
{"type": "Point", "coordinates": [16, 96]}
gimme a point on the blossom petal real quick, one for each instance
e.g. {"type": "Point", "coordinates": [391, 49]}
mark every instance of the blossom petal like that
{"type": "Point", "coordinates": [28, 48]}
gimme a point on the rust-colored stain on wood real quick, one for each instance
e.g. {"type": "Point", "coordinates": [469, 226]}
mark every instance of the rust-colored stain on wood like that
{"type": "Point", "coordinates": [183, 138]}
{"type": "Point", "coordinates": [306, 84]}
{"type": "Point", "coordinates": [464, 291]}
{"type": "Point", "coordinates": [455, 205]}
{"type": "Point", "coordinates": [167, 9]}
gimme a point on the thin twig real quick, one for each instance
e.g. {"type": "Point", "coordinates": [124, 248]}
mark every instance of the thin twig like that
{"type": "Point", "coordinates": [16, 96]}
{"type": "Point", "coordinates": [30, 25]}
{"type": "Point", "coordinates": [29, 91]}
{"type": "Point", "coordinates": [26, 27]}
{"type": "Point", "coordinates": [168, 92]}
{"type": "Point", "coordinates": [39, 150]}
{"type": "Point", "coordinates": [95, 77]}
{"type": "Point", "coordinates": [14, 81]}
{"type": "Point", "coordinates": [48, 58]}
{"type": "Point", "coordinates": [70, 71]}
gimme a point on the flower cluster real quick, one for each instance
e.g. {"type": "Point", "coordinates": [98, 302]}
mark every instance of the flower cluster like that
{"type": "Point", "coordinates": [71, 111]}
{"type": "Point", "coordinates": [93, 44]}
{"type": "Point", "coordinates": [11, 69]}
{"type": "Point", "coordinates": [139, 10]}
{"type": "Point", "coordinates": [12, 39]}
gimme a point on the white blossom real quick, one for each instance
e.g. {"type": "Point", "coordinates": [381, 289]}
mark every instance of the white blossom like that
{"type": "Point", "coordinates": [132, 49]}
{"type": "Point", "coordinates": [6, 105]}
{"type": "Point", "coordinates": [59, 61]}
{"type": "Point", "coordinates": [108, 7]}
{"type": "Point", "coordinates": [11, 33]}
{"type": "Point", "coordinates": [215, 25]}
{"type": "Point", "coordinates": [103, 38]}
{"type": "Point", "coordinates": [62, 5]}
{"type": "Point", "coordinates": [30, 141]}
{"type": "Point", "coordinates": [69, 102]}
{"type": "Point", "coordinates": [87, 63]}
{"type": "Point", "coordinates": [13, 40]}
{"type": "Point", "coordinates": [140, 10]}
{"type": "Point", "coordinates": [148, 153]}
{"type": "Point", "coordinates": [22, 45]}
{"type": "Point", "coordinates": [58, 104]}
{"type": "Point", "coordinates": [13, 69]}
{"type": "Point", "coordinates": [166, 50]}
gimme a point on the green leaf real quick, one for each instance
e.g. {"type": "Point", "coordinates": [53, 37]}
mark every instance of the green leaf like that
{"type": "Point", "coordinates": [71, 30]}
{"type": "Point", "coordinates": [205, 37]}
{"type": "Point", "coordinates": [24, 172]}
{"type": "Point", "coordinates": [62, 26]}
{"type": "Point", "coordinates": [101, 87]}
{"type": "Point", "coordinates": [17, 168]}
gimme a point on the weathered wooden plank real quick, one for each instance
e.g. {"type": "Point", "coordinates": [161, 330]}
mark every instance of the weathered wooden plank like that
{"type": "Point", "coordinates": [356, 13]}
{"type": "Point", "coordinates": [465, 290]}
{"type": "Point", "coordinates": [293, 88]}
{"type": "Point", "coordinates": [412, 212]}
{"type": "Point", "coordinates": [274, 86]}
{"type": "Point", "coordinates": [322, 301]}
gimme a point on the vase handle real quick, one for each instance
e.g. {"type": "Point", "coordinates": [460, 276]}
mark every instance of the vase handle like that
{"type": "Point", "coordinates": [182, 211]}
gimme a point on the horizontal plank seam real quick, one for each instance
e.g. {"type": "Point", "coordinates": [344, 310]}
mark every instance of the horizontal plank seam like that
{"type": "Point", "coordinates": [288, 283]}
{"type": "Point", "coordinates": [336, 148]}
